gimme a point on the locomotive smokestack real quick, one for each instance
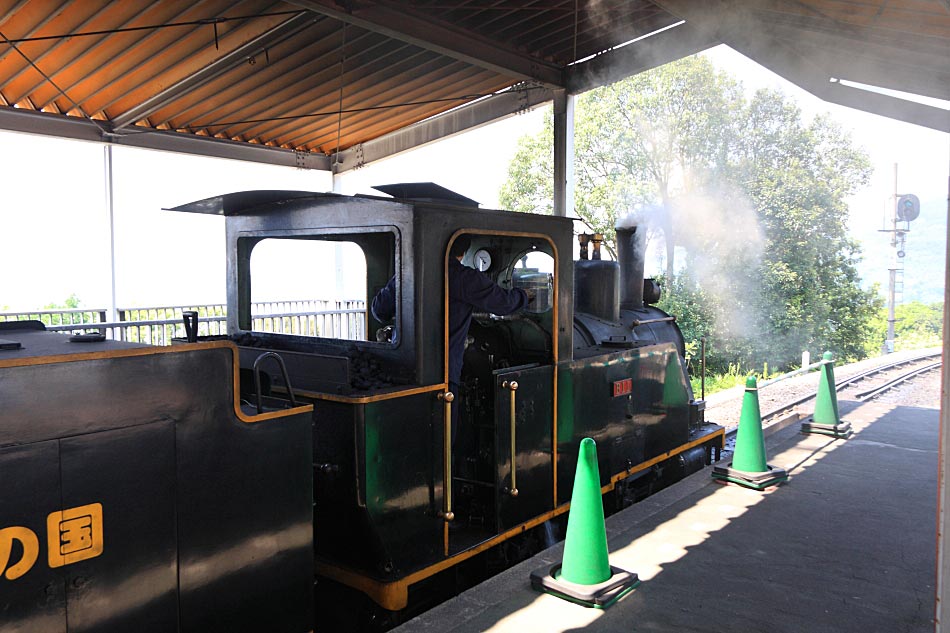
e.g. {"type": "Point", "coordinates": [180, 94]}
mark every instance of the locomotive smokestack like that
{"type": "Point", "coordinates": [631, 244]}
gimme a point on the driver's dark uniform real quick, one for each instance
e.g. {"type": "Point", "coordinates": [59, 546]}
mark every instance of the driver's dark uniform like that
{"type": "Point", "coordinates": [469, 291]}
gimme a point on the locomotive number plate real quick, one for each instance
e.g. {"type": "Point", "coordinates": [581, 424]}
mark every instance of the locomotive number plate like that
{"type": "Point", "coordinates": [623, 387]}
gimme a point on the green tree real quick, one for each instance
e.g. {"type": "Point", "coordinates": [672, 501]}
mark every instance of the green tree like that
{"type": "Point", "coordinates": [749, 193]}
{"type": "Point", "coordinates": [642, 142]}
{"type": "Point", "coordinates": [72, 302]}
{"type": "Point", "coordinates": [530, 184]}
{"type": "Point", "coordinates": [810, 286]}
{"type": "Point", "coordinates": [916, 325]}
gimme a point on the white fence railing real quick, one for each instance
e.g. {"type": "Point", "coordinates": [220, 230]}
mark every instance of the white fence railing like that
{"type": "Point", "coordinates": [344, 319]}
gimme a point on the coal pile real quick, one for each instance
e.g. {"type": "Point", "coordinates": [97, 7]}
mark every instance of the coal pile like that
{"type": "Point", "coordinates": [246, 339]}
{"type": "Point", "coordinates": [367, 373]}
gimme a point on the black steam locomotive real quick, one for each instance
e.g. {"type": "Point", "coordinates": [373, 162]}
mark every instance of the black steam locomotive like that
{"type": "Point", "coordinates": [208, 485]}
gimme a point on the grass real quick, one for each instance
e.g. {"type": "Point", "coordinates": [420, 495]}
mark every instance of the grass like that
{"type": "Point", "coordinates": [733, 377]}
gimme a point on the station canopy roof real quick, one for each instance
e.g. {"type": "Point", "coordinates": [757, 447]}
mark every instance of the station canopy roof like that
{"type": "Point", "coordinates": [336, 84]}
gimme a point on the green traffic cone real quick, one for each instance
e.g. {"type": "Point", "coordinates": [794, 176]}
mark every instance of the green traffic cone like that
{"type": "Point", "coordinates": [825, 420]}
{"type": "Point", "coordinates": [750, 443]}
{"type": "Point", "coordinates": [585, 545]}
{"type": "Point", "coordinates": [826, 402]}
{"type": "Point", "coordinates": [749, 467]}
{"type": "Point", "coordinates": [585, 575]}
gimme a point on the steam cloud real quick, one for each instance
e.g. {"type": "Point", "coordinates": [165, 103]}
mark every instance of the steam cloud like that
{"type": "Point", "coordinates": [719, 241]}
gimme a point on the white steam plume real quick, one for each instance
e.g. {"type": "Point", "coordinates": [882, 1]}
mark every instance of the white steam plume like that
{"type": "Point", "coordinates": [718, 241]}
{"type": "Point", "coordinates": [723, 242]}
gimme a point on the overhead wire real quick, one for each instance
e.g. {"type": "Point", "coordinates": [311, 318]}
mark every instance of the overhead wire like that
{"type": "Point", "coordinates": [339, 119]}
{"type": "Point", "coordinates": [339, 112]}
{"type": "Point", "coordinates": [75, 106]}
{"type": "Point", "coordinates": [12, 43]}
{"type": "Point", "coordinates": [152, 27]}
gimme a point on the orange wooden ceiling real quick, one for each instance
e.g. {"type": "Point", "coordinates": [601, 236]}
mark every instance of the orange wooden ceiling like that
{"type": "Point", "coordinates": [322, 75]}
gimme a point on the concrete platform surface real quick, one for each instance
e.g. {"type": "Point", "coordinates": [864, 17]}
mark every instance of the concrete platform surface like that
{"type": "Point", "coordinates": [847, 544]}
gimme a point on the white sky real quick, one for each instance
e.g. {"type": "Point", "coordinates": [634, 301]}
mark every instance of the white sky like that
{"type": "Point", "coordinates": [54, 221]}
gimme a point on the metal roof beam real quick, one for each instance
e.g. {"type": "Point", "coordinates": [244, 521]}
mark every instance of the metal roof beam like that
{"type": "Point", "coordinates": [891, 107]}
{"type": "Point", "coordinates": [885, 57]}
{"type": "Point", "coordinates": [440, 37]}
{"type": "Point", "coordinates": [32, 122]}
{"type": "Point", "coordinates": [461, 119]}
{"type": "Point", "coordinates": [604, 69]}
{"type": "Point", "coordinates": [730, 22]}
{"type": "Point", "coordinates": [221, 65]}
{"type": "Point", "coordinates": [818, 81]}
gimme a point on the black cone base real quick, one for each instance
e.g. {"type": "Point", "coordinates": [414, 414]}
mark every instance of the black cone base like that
{"type": "Point", "coordinates": [756, 481]}
{"type": "Point", "coordinates": [601, 595]}
{"type": "Point", "coordinates": [842, 430]}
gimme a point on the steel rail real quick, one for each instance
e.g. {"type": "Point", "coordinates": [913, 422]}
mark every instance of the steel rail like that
{"type": "Point", "coordinates": [870, 393]}
{"type": "Point", "coordinates": [840, 385]}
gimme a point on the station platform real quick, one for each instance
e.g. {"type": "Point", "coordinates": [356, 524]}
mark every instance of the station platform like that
{"type": "Point", "coordinates": [847, 544]}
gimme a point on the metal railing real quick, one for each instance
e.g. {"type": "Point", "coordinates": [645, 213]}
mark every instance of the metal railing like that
{"type": "Point", "coordinates": [159, 325]}
{"type": "Point", "coordinates": [344, 319]}
{"type": "Point", "coordinates": [64, 319]}
{"type": "Point", "coordinates": [331, 319]}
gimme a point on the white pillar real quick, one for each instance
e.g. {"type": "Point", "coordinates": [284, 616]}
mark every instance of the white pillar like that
{"type": "Point", "coordinates": [563, 153]}
{"type": "Point", "coordinates": [336, 179]}
{"type": "Point", "coordinates": [943, 495]}
{"type": "Point", "coordinates": [110, 209]}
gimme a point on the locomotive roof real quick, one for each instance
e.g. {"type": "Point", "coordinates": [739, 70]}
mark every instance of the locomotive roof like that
{"type": "Point", "coordinates": [264, 201]}
{"type": "Point", "coordinates": [245, 202]}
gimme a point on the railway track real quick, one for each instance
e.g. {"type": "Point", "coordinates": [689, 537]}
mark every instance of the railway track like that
{"type": "Point", "coordinates": [787, 412]}
{"type": "Point", "coordinates": [898, 380]}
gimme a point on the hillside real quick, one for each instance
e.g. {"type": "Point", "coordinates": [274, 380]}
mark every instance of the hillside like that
{"type": "Point", "coordinates": [924, 259]}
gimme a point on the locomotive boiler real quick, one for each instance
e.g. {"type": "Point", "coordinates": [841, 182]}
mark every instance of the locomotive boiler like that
{"type": "Point", "coordinates": [397, 506]}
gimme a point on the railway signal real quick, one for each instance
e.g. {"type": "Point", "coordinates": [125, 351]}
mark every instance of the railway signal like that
{"type": "Point", "coordinates": [906, 209]}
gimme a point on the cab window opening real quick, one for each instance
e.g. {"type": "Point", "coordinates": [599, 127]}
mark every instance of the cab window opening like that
{"type": "Point", "coordinates": [319, 286]}
{"type": "Point", "coordinates": [533, 270]}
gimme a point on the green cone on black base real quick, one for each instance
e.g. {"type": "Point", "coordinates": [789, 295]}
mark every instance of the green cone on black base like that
{"type": "Point", "coordinates": [748, 467]}
{"type": "Point", "coordinates": [585, 575]}
{"type": "Point", "coordinates": [825, 420]}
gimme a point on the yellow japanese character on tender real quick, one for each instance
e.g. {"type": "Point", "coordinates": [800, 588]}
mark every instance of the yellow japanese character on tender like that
{"type": "Point", "coordinates": [74, 534]}
{"type": "Point", "coordinates": [31, 550]}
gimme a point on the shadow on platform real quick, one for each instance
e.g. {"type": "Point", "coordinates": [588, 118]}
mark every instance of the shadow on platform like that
{"type": "Point", "coordinates": [847, 544]}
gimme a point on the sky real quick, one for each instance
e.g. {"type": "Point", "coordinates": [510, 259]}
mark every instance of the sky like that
{"type": "Point", "coordinates": [55, 220]}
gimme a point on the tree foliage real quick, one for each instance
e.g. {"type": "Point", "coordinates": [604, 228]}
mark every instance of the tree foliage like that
{"type": "Point", "coordinates": [72, 302]}
{"type": "Point", "coordinates": [748, 198]}
{"type": "Point", "coordinates": [916, 325]}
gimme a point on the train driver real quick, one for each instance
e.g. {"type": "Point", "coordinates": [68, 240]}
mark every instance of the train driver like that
{"type": "Point", "coordinates": [469, 290]}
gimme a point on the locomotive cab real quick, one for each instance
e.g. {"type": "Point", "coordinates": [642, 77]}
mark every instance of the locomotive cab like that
{"type": "Point", "coordinates": [381, 488]}
{"type": "Point", "coordinates": [400, 496]}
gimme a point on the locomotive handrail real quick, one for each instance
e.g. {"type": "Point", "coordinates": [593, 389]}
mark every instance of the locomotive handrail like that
{"type": "Point", "coordinates": [447, 514]}
{"type": "Point", "coordinates": [637, 322]}
{"type": "Point", "coordinates": [512, 387]}
{"type": "Point", "coordinates": [283, 373]}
